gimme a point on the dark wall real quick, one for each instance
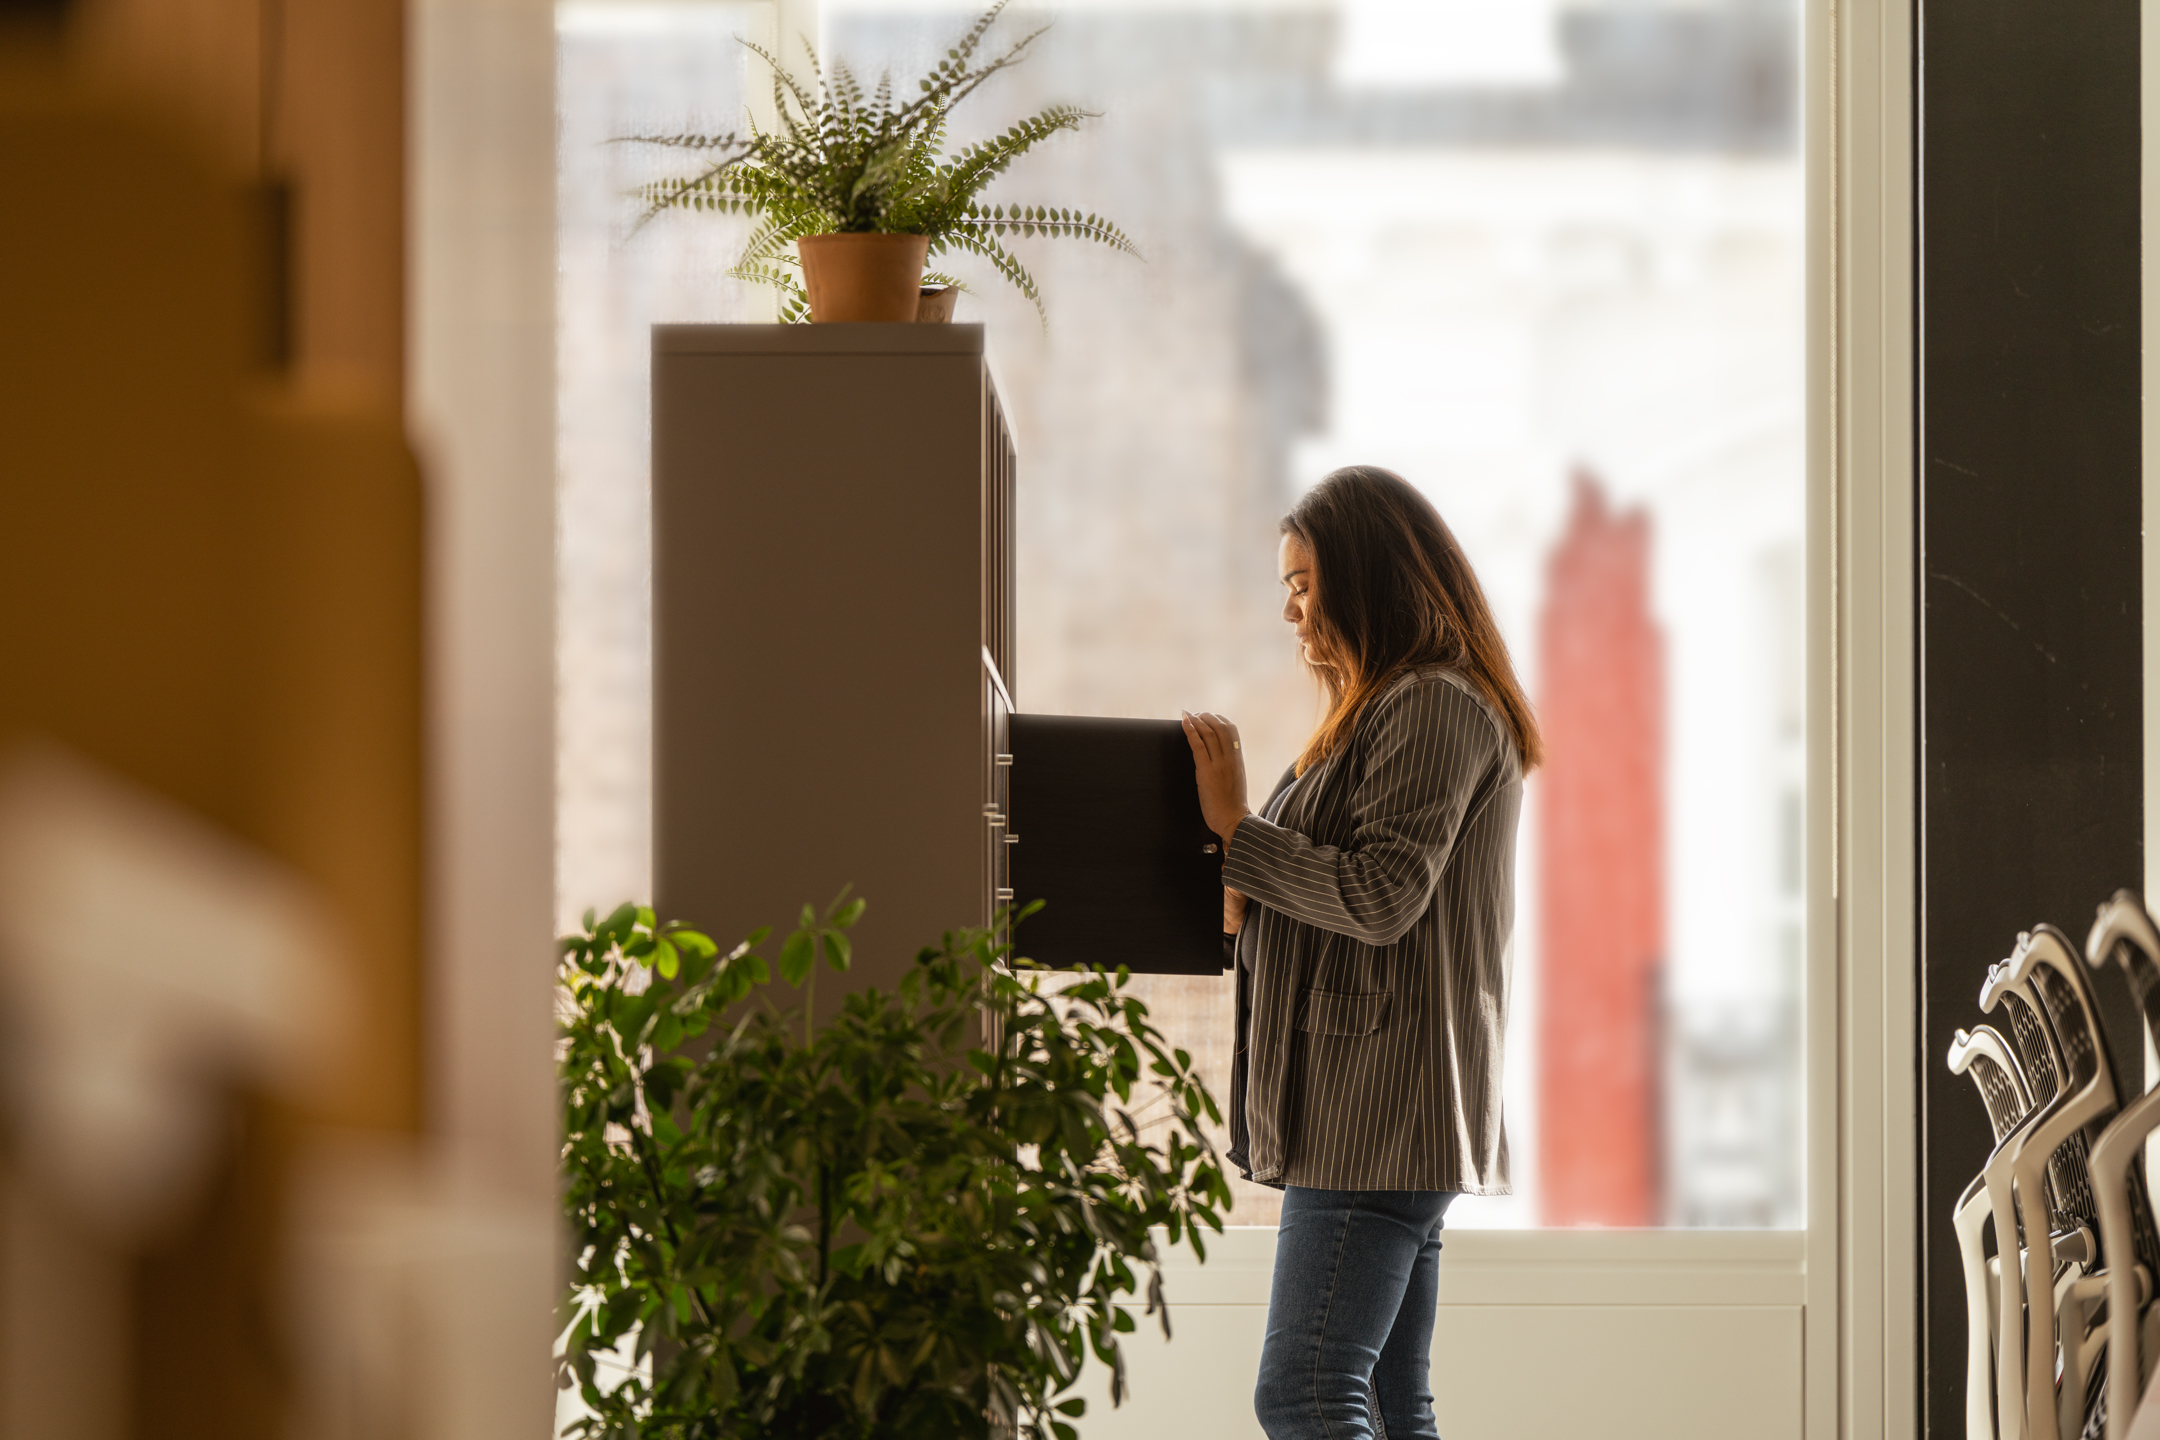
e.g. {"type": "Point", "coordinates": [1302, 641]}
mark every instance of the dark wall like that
{"type": "Point", "coordinates": [2030, 745]}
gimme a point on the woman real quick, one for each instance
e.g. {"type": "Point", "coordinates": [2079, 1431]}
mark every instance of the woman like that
{"type": "Point", "coordinates": [1372, 900]}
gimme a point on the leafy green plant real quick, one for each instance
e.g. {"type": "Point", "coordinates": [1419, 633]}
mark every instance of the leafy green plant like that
{"type": "Point", "coordinates": [838, 160]}
{"type": "Point", "coordinates": [890, 1225]}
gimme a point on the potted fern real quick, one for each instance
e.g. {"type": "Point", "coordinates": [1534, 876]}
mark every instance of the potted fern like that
{"type": "Point", "coordinates": [854, 193]}
{"type": "Point", "coordinates": [911, 1223]}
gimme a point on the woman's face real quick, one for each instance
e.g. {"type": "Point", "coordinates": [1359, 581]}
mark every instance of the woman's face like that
{"type": "Point", "coordinates": [1294, 562]}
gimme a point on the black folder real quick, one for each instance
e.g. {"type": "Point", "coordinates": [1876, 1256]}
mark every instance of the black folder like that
{"type": "Point", "coordinates": [1109, 835]}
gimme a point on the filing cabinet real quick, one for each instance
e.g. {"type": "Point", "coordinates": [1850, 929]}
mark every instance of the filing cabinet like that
{"type": "Point", "coordinates": [835, 667]}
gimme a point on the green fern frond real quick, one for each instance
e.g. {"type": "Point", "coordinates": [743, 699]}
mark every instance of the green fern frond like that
{"type": "Point", "coordinates": [683, 142]}
{"type": "Point", "coordinates": [837, 160]}
{"type": "Point", "coordinates": [774, 242]}
{"type": "Point", "coordinates": [977, 165]}
{"type": "Point", "coordinates": [777, 274]}
{"type": "Point", "coordinates": [1032, 220]}
{"type": "Point", "coordinates": [979, 242]}
{"type": "Point", "coordinates": [700, 192]}
{"type": "Point", "coordinates": [817, 73]}
{"type": "Point", "coordinates": [846, 97]}
{"type": "Point", "coordinates": [785, 85]}
{"type": "Point", "coordinates": [762, 274]}
{"type": "Point", "coordinates": [967, 43]}
{"type": "Point", "coordinates": [759, 272]}
{"type": "Point", "coordinates": [953, 78]}
{"type": "Point", "coordinates": [1013, 55]}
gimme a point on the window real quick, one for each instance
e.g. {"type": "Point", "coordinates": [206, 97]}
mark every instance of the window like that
{"type": "Point", "coordinates": [1543, 259]}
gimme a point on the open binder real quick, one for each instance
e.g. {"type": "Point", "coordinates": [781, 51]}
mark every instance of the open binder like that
{"type": "Point", "coordinates": [1107, 831]}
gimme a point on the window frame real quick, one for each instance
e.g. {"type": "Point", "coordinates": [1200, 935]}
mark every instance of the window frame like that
{"type": "Point", "coordinates": [482, 397]}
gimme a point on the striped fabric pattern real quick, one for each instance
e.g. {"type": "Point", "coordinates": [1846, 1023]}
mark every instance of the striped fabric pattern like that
{"type": "Point", "coordinates": [1372, 978]}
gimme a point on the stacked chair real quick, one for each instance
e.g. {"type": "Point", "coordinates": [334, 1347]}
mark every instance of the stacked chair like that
{"type": "Point", "coordinates": [2062, 1334]}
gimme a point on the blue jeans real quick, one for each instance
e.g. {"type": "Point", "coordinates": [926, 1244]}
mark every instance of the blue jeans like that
{"type": "Point", "coordinates": [1350, 1317]}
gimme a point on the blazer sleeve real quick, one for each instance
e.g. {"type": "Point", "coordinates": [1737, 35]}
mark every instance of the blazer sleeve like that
{"type": "Point", "coordinates": [1430, 748]}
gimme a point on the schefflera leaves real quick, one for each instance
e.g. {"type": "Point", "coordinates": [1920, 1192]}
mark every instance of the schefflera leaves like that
{"type": "Point", "coordinates": [913, 1221]}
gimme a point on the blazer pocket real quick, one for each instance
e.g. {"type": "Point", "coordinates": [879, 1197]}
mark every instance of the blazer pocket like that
{"type": "Point", "coordinates": [1328, 1012]}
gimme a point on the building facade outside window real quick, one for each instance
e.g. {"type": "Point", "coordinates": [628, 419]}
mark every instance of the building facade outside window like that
{"type": "Point", "coordinates": [1546, 260]}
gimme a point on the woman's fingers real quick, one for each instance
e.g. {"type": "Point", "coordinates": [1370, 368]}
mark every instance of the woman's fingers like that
{"type": "Point", "coordinates": [1201, 736]}
{"type": "Point", "coordinates": [1212, 735]}
{"type": "Point", "coordinates": [1219, 767]}
{"type": "Point", "coordinates": [1218, 730]}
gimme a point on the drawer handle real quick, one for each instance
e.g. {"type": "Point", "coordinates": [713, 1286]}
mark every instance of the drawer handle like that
{"type": "Point", "coordinates": [1004, 894]}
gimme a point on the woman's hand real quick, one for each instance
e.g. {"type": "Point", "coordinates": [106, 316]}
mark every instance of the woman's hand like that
{"type": "Point", "coordinates": [1219, 765]}
{"type": "Point", "coordinates": [1233, 911]}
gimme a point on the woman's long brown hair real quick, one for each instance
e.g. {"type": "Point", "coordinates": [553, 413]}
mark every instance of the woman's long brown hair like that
{"type": "Point", "coordinates": [1394, 592]}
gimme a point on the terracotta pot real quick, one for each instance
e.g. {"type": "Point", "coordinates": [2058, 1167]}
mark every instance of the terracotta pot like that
{"type": "Point", "coordinates": [854, 278]}
{"type": "Point", "coordinates": [936, 305]}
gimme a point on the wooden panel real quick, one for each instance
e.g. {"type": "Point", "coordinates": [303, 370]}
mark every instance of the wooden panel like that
{"type": "Point", "coordinates": [337, 132]}
{"type": "Point", "coordinates": [311, 93]}
{"type": "Point", "coordinates": [335, 783]}
{"type": "Point", "coordinates": [246, 643]}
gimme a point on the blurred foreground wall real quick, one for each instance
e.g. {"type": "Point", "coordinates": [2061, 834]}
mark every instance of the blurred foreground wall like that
{"type": "Point", "coordinates": [221, 1209]}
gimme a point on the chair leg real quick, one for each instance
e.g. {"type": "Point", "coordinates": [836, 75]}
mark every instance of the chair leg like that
{"type": "Point", "coordinates": [1970, 1223]}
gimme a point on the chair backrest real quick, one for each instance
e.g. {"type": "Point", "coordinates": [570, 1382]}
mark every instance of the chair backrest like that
{"type": "Point", "coordinates": [1984, 1055]}
{"type": "Point", "coordinates": [2124, 932]}
{"type": "Point", "coordinates": [2051, 1144]}
{"type": "Point", "coordinates": [2007, 1096]}
{"type": "Point", "coordinates": [2056, 972]}
{"type": "Point", "coordinates": [2029, 1033]}
{"type": "Point", "coordinates": [2038, 1054]}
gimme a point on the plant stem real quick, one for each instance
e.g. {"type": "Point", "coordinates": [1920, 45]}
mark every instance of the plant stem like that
{"type": "Point", "coordinates": [824, 1221]}
{"type": "Point", "coordinates": [640, 1141]}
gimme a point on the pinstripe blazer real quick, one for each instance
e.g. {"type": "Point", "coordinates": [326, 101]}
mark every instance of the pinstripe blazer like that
{"type": "Point", "coordinates": [1372, 977]}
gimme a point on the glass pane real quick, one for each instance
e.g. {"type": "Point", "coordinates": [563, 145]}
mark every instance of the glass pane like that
{"type": "Point", "coordinates": [622, 69]}
{"type": "Point", "coordinates": [1544, 260]}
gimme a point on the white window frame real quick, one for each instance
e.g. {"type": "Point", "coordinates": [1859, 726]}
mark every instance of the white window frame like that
{"type": "Point", "coordinates": [1863, 1133]}
{"type": "Point", "coordinates": [482, 400]}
